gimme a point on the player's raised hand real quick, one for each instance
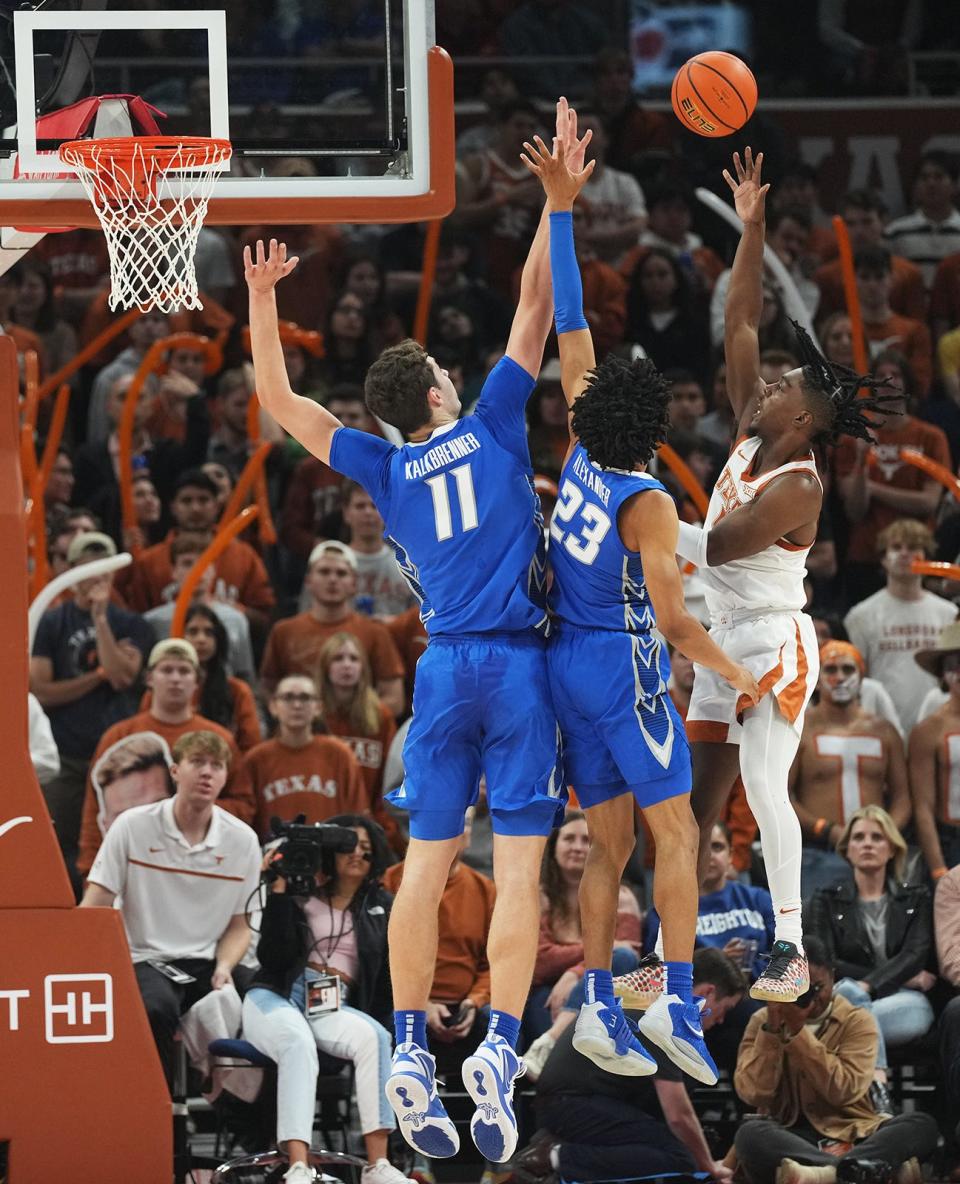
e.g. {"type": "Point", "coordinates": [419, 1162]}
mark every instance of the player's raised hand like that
{"type": "Point", "coordinates": [573, 145]}
{"type": "Point", "coordinates": [263, 273]}
{"type": "Point", "coordinates": [749, 195]}
{"type": "Point", "coordinates": [559, 183]}
{"type": "Point", "coordinates": [744, 682]}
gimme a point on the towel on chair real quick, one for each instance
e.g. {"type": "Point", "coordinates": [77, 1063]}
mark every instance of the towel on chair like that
{"type": "Point", "coordinates": [217, 1017]}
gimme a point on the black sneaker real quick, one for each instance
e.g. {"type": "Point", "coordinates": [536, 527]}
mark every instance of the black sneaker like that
{"type": "Point", "coordinates": [851, 1170]}
{"type": "Point", "coordinates": [880, 1098]}
{"type": "Point", "coordinates": [786, 977]}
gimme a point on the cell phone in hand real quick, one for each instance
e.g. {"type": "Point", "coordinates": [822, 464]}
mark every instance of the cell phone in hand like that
{"type": "Point", "coordinates": [455, 1017]}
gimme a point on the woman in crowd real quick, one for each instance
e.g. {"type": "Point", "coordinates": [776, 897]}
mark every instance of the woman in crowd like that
{"type": "Point", "coordinates": [663, 318]}
{"type": "Point", "coordinates": [836, 337]}
{"type": "Point", "coordinates": [35, 308]}
{"type": "Point", "coordinates": [148, 509]}
{"type": "Point", "coordinates": [221, 697]}
{"type": "Point", "coordinates": [363, 276]}
{"type": "Point", "coordinates": [347, 342]}
{"type": "Point", "coordinates": [557, 991]}
{"type": "Point", "coordinates": [58, 491]}
{"type": "Point", "coordinates": [351, 709]}
{"type": "Point", "coordinates": [879, 932]}
{"type": "Point", "coordinates": [338, 933]}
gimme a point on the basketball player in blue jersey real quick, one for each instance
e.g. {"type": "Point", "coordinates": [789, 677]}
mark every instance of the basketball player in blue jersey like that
{"type": "Point", "coordinates": [462, 515]}
{"type": "Point", "coordinates": [615, 576]}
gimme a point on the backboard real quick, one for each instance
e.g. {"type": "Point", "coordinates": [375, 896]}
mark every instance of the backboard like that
{"type": "Point", "coordinates": [340, 111]}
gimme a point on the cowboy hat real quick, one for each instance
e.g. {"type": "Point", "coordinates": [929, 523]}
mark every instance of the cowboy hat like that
{"type": "Point", "coordinates": [947, 643]}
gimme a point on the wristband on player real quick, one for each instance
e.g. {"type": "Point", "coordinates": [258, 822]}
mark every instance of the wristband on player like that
{"type": "Point", "coordinates": [567, 285]}
{"type": "Point", "coordinates": [692, 544]}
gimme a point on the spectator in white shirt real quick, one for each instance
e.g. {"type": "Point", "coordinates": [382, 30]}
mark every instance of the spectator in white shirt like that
{"type": "Point", "coordinates": [184, 873]}
{"type": "Point", "coordinates": [900, 619]}
{"type": "Point", "coordinates": [614, 200]}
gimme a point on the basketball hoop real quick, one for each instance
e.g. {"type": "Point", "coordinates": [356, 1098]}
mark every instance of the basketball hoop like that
{"type": "Point", "coordinates": [150, 194]}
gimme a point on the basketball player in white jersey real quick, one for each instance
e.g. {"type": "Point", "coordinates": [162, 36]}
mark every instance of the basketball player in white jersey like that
{"type": "Point", "coordinates": [751, 552]}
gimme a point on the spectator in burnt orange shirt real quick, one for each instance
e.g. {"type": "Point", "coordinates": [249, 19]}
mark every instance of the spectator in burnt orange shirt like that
{"type": "Point", "coordinates": [294, 645]}
{"type": "Point", "coordinates": [298, 772]}
{"type": "Point", "coordinates": [240, 575]}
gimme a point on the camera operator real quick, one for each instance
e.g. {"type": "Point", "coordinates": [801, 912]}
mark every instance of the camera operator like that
{"type": "Point", "coordinates": [807, 1067]}
{"type": "Point", "coordinates": [324, 978]}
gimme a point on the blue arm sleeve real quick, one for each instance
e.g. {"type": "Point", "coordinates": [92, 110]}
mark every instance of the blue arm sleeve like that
{"type": "Point", "coordinates": [567, 285]}
{"type": "Point", "coordinates": [364, 458]}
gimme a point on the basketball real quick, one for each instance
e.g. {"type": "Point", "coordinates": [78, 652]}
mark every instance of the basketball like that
{"type": "Point", "coordinates": [714, 94]}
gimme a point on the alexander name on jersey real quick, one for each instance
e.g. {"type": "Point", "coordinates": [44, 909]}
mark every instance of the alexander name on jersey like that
{"type": "Point", "coordinates": [591, 478]}
{"type": "Point", "coordinates": [440, 455]}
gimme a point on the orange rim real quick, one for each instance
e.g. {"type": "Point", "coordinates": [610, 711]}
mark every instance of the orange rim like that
{"type": "Point", "coordinates": [160, 148]}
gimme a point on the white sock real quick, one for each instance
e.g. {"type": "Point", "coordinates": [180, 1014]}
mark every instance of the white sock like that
{"type": "Point", "coordinates": [658, 944]}
{"type": "Point", "coordinates": [767, 749]}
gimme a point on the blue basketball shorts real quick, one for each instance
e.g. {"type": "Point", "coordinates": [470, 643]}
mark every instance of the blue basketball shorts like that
{"type": "Point", "coordinates": [619, 727]}
{"type": "Point", "coordinates": [482, 704]}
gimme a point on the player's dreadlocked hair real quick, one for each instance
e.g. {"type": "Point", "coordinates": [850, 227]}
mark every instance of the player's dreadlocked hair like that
{"type": "Point", "coordinates": [621, 417]}
{"type": "Point", "coordinates": [834, 391]}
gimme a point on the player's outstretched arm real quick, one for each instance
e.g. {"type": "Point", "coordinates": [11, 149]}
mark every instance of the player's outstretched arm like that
{"type": "Point", "coordinates": [561, 186]}
{"type": "Point", "coordinates": [745, 294]}
{"type": "Point", "coordinates": [650, 525]}
{"type": "Point", "coordinates": [304, 419]}
{"type": "Point", "coordinates": [534, 315]}
{"type": "Point", "coordinates": [786, 506]}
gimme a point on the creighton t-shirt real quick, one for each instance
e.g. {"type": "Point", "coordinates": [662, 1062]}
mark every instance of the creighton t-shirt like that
{"type": "Point", "coordinates": [66, 635]}
{"type": "Point", "coordinates": [461, 512]}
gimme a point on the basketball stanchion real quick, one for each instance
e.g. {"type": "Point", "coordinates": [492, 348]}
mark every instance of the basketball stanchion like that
{"type": "Point", "coordinates": [224, 536]}
{"type": "Point", "coordinates": [428, 272]}
{"type": "Point", "coordinates": [31, 385]}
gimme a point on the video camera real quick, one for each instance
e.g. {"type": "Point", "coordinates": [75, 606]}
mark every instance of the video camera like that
{"type": "Point", "coordinates": [305, 850]}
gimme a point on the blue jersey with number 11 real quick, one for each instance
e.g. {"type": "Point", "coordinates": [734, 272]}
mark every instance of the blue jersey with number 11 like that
{"type": "Point", "coordinates": [461, 512]}
{"type": "Point", "coordinates": [597, 582]}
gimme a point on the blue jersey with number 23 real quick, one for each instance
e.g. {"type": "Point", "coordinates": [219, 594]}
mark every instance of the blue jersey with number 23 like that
{"type": "Point", "coordinates": [461, 512]}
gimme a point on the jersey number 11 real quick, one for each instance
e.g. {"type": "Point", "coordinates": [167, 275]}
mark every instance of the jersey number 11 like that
{"type": "Point", "coordinates": [442, 518]}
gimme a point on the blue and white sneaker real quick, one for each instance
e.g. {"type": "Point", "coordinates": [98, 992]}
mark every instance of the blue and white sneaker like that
{"type": "Point", "coordinates": [411, 1090]}
{"type": "Point", "coordinates": [604, 1037]}
{"type": "Point", "coordinates": [488, 1077]}
{"type": "Point", "coordinates": [674, 1027]}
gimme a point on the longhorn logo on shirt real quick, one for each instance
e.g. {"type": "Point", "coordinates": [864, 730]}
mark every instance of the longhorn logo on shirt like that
{"type": "Point", "coordinates": [887, 459]}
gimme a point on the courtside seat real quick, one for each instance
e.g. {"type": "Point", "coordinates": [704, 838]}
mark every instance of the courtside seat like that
{"type": "Point", "coordinates": [335, 1087]}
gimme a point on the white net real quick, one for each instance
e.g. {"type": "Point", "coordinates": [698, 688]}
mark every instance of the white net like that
{"type": "Point", "coordinates": [151, 197]}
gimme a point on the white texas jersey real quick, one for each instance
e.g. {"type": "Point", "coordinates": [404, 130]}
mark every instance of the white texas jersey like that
{"type": "Point", "coordinates": [772, 579]}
